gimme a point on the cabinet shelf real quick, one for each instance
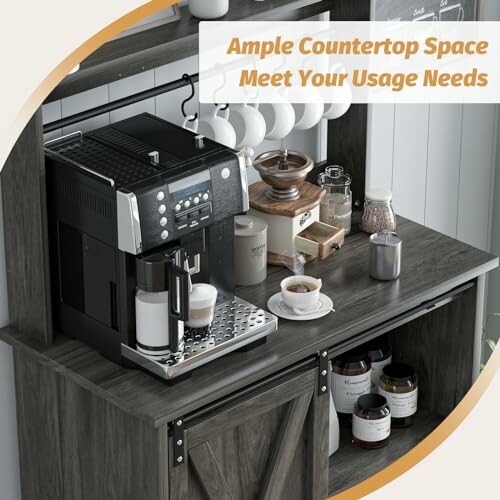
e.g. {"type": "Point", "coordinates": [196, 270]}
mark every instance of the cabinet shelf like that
{"type": "Point", "coordinates": [164, 44]}
{"type": "Point", "coordinates": [350, 464]}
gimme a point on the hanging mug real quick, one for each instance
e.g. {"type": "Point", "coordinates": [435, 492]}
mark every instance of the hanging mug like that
{"type": "Point", "coordinates": [279, 118]}
{"type": "Point", "coordinates": [190, 119]}
{"type": "Point", "coordinates": [218, 127]}
{"type": "Point", "coordinates": [249, 125]}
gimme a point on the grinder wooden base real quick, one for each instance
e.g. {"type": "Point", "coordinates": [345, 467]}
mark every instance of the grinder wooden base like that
{"type": "Point", "coordinates": [293, 226]}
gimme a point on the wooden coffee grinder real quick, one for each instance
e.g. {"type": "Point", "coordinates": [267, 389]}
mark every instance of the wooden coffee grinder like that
{"type": "Point", "coordinates": [290, 206]}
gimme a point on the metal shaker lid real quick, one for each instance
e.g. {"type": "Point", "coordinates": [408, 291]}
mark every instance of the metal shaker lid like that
{"type": "Point", "coordinates": [245, 226]}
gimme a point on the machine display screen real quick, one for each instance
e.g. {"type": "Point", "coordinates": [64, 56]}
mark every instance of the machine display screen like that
{"type": "Point", "coordinates": [190, 184]}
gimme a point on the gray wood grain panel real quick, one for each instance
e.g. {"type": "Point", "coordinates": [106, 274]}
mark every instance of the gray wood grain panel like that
{"type": "Point", "coordinates": [284, 448]}
{"type": "Point", "coordinates": [317, 449]}
{"type": "Point", "coordinates": [439, 346]}
{"type": "Point", "coordinates": [432, 265]}
{"type": "Point", "coordinates": [209, 473]}
{"type": "Point", "coordinates": [260, 402]}
{"type": "Point", "coordinates": [26, 246]}
{"type": "Point", "coordinates": [106, 453]}
{"type": "Point", "coordinates": [134, 54]}
{"type": "Point", "coordinates": [260, 452]}
{"type": "Point", "coordinates": [350, 465]}
{"type": "Point", "coordinates": [38, 423]}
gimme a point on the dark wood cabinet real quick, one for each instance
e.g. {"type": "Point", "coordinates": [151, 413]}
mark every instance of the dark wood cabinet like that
{"type": "Point", "coordinates": [259, 447]}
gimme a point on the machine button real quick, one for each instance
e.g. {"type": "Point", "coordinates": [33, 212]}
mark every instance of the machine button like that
{"type": "Point", "coordinates": [196, 200]}
{"type": "Point", "coordinates": [181, 218]}
{"type": "Point", "coordinates": [160, 196]}
{"type": "Point", "coordinates": [194, 214]}
{"type": "Point", "coordinates": [187, 204]}
{"type": "Point", "coordinates": [163, 221]}
{"type": "Point", "coordinates": [178, 207]}
{"type": "Point", "coordinates": [164, 235]}
{"type": "Point", "coordinates": [205, 197]}
{"type": "Point", "coordinates": [205, 210]}
{"type": "Point", "coordinates": [225, 173]}
{"type": "Point", "coordinates": [162, 209]}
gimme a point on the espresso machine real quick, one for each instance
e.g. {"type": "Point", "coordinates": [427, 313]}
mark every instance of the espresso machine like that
{"type": "Point", "coordinates": [143, 204]}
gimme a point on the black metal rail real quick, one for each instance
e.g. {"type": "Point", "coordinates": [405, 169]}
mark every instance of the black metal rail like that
{"type": "Point", "coordinates": [120, 103]}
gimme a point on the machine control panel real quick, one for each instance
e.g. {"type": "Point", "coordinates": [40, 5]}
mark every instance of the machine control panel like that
{"type": "Point", "coordinates": [192, 201]}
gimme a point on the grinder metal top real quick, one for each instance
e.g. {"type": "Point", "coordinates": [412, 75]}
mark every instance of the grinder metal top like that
{"type": "Point", "coordinates": [284, 171]}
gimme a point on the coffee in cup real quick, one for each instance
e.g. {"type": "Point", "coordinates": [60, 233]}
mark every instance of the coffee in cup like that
{"type": "Point", "coordinates": [202, 301]}
{"type": "Point", "coordinates": [301, 293]}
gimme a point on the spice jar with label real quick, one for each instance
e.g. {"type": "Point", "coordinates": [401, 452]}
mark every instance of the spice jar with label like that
{"type": "Point", "coordinates": [378, 214]}
{"type": "Point", "coordinates": [336, 205]}
{"type": "Point", "coordinates": [371, 421]}
{"type": "Point", "coordinates": [380, 355]}
{"type": "Point", "coordinates": [351, 378]}
{"type": "Point", "coordinates": [399, 385]}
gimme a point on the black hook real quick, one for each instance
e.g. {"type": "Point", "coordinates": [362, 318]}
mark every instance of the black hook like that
{"type": "Point", "coordinates": [187, 77]}
{"type": "Point", "coordinates": [224, 108]}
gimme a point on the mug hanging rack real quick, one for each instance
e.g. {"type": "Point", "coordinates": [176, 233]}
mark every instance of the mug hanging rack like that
{"type": "Point", "coordinates": [120, 103]}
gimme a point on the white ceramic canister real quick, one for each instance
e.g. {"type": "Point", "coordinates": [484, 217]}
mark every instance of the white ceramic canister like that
{"type": "Point", "coordinates": [208, 9]}
{"type": "Point", "coordinates": [250, 250]}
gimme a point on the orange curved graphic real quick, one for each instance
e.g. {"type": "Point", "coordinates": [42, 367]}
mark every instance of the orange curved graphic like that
{"type": "Point", "coordinates": [92, 44]}
{"type": "Point", "coordinates": [429, 444]}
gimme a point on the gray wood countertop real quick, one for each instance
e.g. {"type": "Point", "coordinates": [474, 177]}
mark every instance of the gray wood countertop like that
{"type": "Point", "coordinates": [432, 265]}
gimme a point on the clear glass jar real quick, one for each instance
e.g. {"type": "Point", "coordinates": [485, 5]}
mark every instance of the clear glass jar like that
{"type": "Point", "coordinates": [371, 421]}
{"type": "Point", "coordinates": [351, 378]}
{"type": "Point", "coordinates": [336, 205]}
{"type": "Point", "coordinates": [399, 385]}
{"type": "Point", "coordinates": [378, 214]}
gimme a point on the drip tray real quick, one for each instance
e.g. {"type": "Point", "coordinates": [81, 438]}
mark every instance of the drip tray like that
{"type": "Point", "coordinates": [236, 324]}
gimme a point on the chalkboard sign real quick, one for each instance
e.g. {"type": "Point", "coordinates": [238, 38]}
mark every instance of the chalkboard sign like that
{"type": "Point", "coordinates": [425, 10]}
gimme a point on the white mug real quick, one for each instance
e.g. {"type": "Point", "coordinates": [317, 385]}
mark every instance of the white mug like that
{"type": "Point", "coordinates": [308, 115]}
{"type": "Point", "coordinates": [249, 125]}
{"type": "Point", "coordinates": [208, 9]}
{"type": "Point", "coordinates": [279, 118]}
{"type": "Point", "coordinates": [191, 119]}
{"type": "Point", "coordinates": [301, 302]}
{"type": "Point", "coordinates": [218, 127]}
{"type": "Point", "coordinates": [342, 99]}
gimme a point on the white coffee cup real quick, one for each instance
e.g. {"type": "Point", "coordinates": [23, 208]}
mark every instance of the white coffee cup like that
{"type": "Point", "coordinates": [202, 301]}
{"type": "Point", "coordinates": [308, 115]}
{"type": "Point", "coordinates": [249, 125]}
{"type": "Point", "coordinates": [190, 123]}
{"type": "Point", "coordinates": [301, 302]}
{"type": "Point", "coordinates": [342, 100]}
{"type": "Point", "coordinates": [279, 118]}
{"type": "Point", "coordinates": [218, 127]}
{"type": "Point", "coordinates": [208, 9]}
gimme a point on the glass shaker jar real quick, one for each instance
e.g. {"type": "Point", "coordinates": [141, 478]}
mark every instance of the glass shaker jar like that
{"type": "Point", "coordinates": [378, 214]}
{"type": "Point", "coordinates": [399, 385]}
{"type": "Point", "coordinates": [336, 205]}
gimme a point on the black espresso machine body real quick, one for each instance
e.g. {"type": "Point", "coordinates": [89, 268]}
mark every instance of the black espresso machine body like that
{"type": "Point", "coordinates": [122, 194]}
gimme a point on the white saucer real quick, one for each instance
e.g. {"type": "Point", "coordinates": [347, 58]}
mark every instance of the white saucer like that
{"type": "Point", "coordinates": [276, 305]}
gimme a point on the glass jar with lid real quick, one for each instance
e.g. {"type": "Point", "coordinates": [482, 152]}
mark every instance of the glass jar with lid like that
{"type": "Point", "coordinates": [378, 214]}
{"type": "Point", "coordinates": [399, 385]}
{"type": "Point", "coordinates": [336, 205]}
{"type": "Point", "coordinates": [371, 421]}
{"type": "Point", "coordinates": [351, 378]}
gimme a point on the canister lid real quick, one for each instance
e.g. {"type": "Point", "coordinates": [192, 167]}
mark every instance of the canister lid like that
{"type": "Point", "coordinates": [246, 226]}
{"type": "Point", "coordinates": [399, 371]}
{"type": "Point", "coordinates": [371, 402]}
{"type": "Point", "coordinates": [385, 239]}
{"type": "Point", "coordinates": [378, 194]}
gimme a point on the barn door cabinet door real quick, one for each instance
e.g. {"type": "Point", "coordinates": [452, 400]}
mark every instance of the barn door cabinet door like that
{"type": "Point", "coordinates": [271, 445]}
